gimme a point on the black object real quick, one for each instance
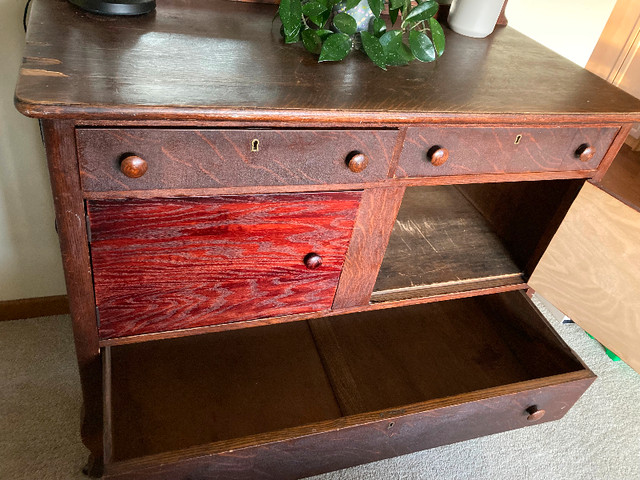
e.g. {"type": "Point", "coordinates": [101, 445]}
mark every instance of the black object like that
{"type": "Point", "coordinates": [116, 7]}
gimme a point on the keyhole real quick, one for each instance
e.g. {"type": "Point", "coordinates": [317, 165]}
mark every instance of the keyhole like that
{"type": "Point", "coordinates": [518, 138]}
{"type": "Point", "coordinates": [255, 145]}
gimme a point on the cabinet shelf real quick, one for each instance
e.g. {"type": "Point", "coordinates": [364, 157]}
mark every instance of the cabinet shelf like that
{"type": "Point", "coordinates": [250, 388]}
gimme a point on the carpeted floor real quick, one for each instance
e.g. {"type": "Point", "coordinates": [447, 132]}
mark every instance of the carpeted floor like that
{"type": "Point", "coordinates": [598, 439]}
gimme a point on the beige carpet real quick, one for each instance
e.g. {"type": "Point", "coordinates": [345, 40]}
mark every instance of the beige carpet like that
{"type": "Point", "coordinates": [598, 439]}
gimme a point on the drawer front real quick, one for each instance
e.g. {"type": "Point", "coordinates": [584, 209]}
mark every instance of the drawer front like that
{"type": "Point", "coordinates": [183, 159]}
{"type": "Point", "coordinates": [167, 264]}
{"type": "Point", "coordinates": [486, 150]}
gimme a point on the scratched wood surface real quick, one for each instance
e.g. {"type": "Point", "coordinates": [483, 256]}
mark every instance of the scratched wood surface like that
{"type": "Point", "coordinates": [171, 264]}
{"type": "Point", "coordinates": [494, 150]}
{"type": "Point", "coordinates": [206, 158]}
{"type": "Point", "coordinates": [440, 238]}
{"type": "Point", "coordinates": [214, 59]}
{"type": "Point", "coordinates": [590, 271]}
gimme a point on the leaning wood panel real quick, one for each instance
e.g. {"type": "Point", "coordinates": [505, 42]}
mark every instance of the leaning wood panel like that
{"type": "Point", "coordinates": [590, 271]}
{"type": "Point", "coordinates": [171, 264]}
{"type": "Point", "coordinates": [211, 158]}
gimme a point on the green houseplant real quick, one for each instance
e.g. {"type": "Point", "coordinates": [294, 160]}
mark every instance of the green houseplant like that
{"type": "Point", "coordinates": [409, 33]}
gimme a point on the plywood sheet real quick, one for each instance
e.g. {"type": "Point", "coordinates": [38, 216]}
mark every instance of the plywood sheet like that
{"type": "Point", "coordinates": [591, 271]}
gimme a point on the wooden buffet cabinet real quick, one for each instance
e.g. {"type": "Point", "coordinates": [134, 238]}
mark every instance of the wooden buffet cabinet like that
{"type": "Point", "coordinates": [278, 268]}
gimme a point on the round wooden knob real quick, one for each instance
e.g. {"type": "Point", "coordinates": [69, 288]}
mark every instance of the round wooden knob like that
{"type": "Point", "coordinates": [585, 152]}
{"type": "Point", "coordinates": [535, 413]}
{"type": "Point", "coordinates": [133, 166]}
{"type": "Point", "coordinates": [437, 155]}
{"type": "Point", "coordinates": [357, 161]}
{"type": "Point", "coordinates": [312, 261]}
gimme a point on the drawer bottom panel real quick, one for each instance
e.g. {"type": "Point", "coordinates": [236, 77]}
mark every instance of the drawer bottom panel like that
{"type": "Point", "coordinates": [302, 398]}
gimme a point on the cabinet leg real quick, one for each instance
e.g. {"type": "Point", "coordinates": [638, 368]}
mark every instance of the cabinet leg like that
{"type": "Point", "coordinates": [94, 467]}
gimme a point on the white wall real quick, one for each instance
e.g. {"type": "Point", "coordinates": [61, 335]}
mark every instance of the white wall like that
{"type": "Point", "coordinates": [30, 263]}
{"type": "Point", "coordinates": [568, 27]}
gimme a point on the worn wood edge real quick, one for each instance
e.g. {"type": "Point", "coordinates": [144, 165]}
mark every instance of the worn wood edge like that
{"type": "Point", "coordinates": [307, 316]}
{"type": "Point", "coordinates": [107, 406]}
{"type": "Point", "coordinates": [397, 151]}
{"type": "Point", "coordinates": [277, 116]}
{"type": "Point", "coordinates": [395, 182]}
{"type": "Point", "coordinates": [34, 307]}
{"type": "Point", "coordinates": [443, 288]}
{"type": "Point", "coordinates": [610, 156]}
{"type": "Point", "coordinates": [152, 461]}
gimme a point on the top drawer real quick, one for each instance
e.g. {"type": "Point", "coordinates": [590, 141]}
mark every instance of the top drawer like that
{"type": "Point", "coordinates": [182, 159]}
{"type": "Point", "coordinates": [488, 150]}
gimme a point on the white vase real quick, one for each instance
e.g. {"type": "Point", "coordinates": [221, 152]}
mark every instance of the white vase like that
{"type": "Point", "coordinates": [474, 18]}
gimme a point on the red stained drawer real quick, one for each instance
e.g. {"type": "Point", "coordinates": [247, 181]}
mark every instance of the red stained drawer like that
{"type": "Point", "coordinates": [167, 264]}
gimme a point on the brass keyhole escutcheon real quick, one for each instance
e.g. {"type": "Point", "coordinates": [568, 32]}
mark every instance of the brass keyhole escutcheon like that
{"type": "Point", "coordinates": [518, 138]}
{"type": "Point", "coordinates": [255, 145]}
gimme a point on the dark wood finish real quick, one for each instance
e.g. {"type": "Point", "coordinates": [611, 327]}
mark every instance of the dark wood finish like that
{"type": "Point", "coordinates": [133, 166]}
{"type": "Point", "coordinates": [439, 239]}
{"type": "Point", "coordinates": [70, 219]}
{"type": "Point", "coordinates": [497, 150]}
{"type": "Point", "coordinates": [482, 289]}
{"type": "Point", "coordinates": [221, 158]}
{"type": "Point", "coordinates": [535, 413]}
{"type": "Point", "coordinates": [201, 389]}
{"type": "Point", "coordinates": [357, 162]}
{"type": "Point", "coordinates": [33, 307]}
{"type": "Point", "coordinates": [613, 150]}
{"type": "Point", "coordinates": [243, 257]}
{"type": "Point", "coordinates": [504, 76]}
{"type": "Point", "coordinates": [375, 220]}
{"type": "Point", "coordinates": [623, 177]}
{"type": "Point", "coordinates": [279, 360]}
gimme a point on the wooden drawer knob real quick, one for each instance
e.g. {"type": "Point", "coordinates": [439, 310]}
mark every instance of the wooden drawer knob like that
{"type": "Point", "coordinates": [585, 152]}
{"type": "Point", "coordinates": [437, 155]}
{"type": "Point", "coordinates": [357, 161]}
{"type": "Point", "coordinates": [534, 413]}
{"type": "Point", "coordinates": [312, 261]}
{"type": "Point", "coordinates": [133, 166]}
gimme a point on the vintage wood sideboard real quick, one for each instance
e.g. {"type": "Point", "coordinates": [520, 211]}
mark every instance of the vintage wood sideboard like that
{"type": "Point", "coordinates": [277, 268]}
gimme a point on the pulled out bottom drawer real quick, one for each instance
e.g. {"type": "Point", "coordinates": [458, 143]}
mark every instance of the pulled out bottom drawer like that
{"type": "Point", "coordinates": [302, 398]}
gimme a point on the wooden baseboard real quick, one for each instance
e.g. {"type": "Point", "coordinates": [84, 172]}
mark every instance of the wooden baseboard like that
{"type": "Point", "coordinates": [33, 307]}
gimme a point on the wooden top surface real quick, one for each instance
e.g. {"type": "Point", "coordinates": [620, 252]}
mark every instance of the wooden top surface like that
{"type": "Point", "coordinates": [222, 60]}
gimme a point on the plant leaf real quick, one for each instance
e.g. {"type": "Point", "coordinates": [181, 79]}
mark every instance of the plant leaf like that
{"type": "Point", "coordinates": [437, 34]}
{"type": "Point", "coordinates": [323, 34]}
{"type": "Point", "coordinates": [291, 18]}
{"type": "Point", "coordinates": [311, 41]}
{"type": "Point", "coordinates": [350, 4]}
{"type": "Point", "coordinates": [378, 27]}
{"type": "Point", "coordinates": [345, 23]}
{"type": "Point", "coordinates": [390, 37]}
{"type": "Point", "coordinates": [376, 7]}
{"type": "Point", "coordinates": [373, 49]}
{"type": "Point", "coordinates": [321, 19]}
{"type": "Point", "coordinates": [399, 54]}
{"type": "Point", "coordinates": [335, 48]}
{"type": "Point", "coordinates": [421, 12]}
{"type": "Point", "coordinates": [313, 9]}
{"type": "Point", "coordinates": [422, 46]}
{"type": "Point", "coordinates": [393, 15]}
{"type": "Point", "coordinates": [396, 4]}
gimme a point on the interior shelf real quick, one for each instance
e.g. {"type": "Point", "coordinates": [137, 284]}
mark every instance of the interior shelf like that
{"type": "Point", "coordinates": [450, 239]}
{"type": "Point", "coordinates": [173, 394]}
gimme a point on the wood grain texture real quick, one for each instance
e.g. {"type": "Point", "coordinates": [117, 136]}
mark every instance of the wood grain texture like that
{"type": "Point", "coordinates": [233, 65]}
{"type": "Point", "coordinates": [590, 271]}
{"type": "Point", "coordinates": [622, 179]}
{"type": "Point", "coordinates": [70, 219]}
{"type": "Point", "coordinates": [612, 153]}
{"type": "Point", "coordinates": [494, 150]}
{"type": "Point", "coordinates": [191, 391]}
{"type": "Point", "coordinates": [33, 307]}
{"type": "Point", "coordinates": [439, 238]}
{"type": "Point", "coordinates": [210, 158]}
{"type": "Point", "coordinates": [391, 358]}
{"type": "Point", "coordinates": [375, 220]}
{"type": "Point", "coordinates": [171, 264]}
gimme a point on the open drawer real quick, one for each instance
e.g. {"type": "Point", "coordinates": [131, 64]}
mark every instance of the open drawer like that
{"type": "Point", "coordinates": [301, 398]}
